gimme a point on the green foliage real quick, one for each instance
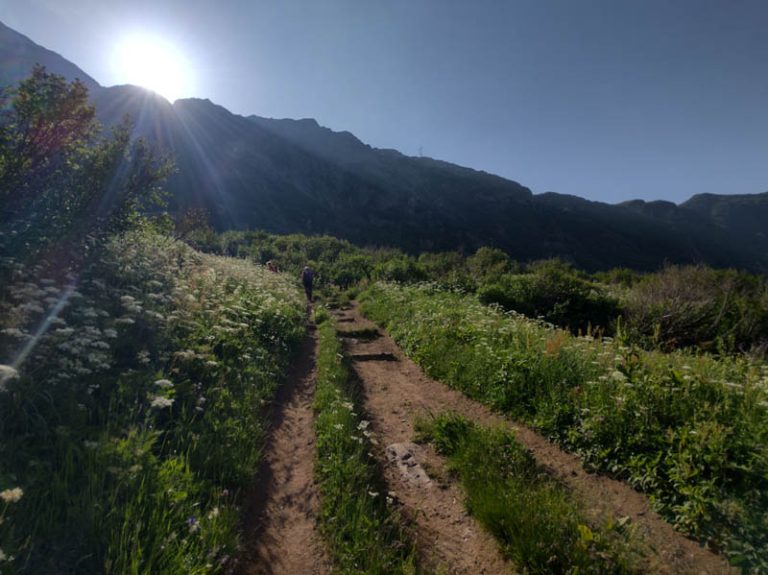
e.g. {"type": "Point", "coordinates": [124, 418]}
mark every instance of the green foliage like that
{"type": "Point", "coordinates": [363, 531]}
{"type": "Point", "coordinates": [716, 310]}
{"type": "Point", "coordinates": [59, 181]}
{"type": "Point", "coordinates": [537, 524]}
{"type": "Point", "coordinates": [449, 269]}
{"type": "Point", "coordinates": [488, 264]}
{"type": "Point", "coordinates": [623, 277]}
{"type": "Point", "coordinates": [403, 269]}
{"type": "Point", "coordinates": [555, 292]}
{"type": "Point", "coordinates": [722, 311]}
{"type": "Point", "coordinates": [689, 429]}
{"type": "Point", "coordinates": [136, 415]}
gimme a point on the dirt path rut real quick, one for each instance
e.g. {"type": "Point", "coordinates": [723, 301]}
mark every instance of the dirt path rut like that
{"type": "Point", "coordinates": [396, 390]}
{"type": "Point", "coordinates": [280, 513]}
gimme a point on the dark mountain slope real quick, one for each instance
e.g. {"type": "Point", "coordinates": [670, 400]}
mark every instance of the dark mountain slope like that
{"type": "Point", "coordinates": [18, 54]}
{"type": "Point", "coordinates": [296, 176]}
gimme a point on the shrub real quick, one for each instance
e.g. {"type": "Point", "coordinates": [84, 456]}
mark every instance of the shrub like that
{"type": "Point", "coordinates": [555, 292]}
{"type": "Point", "coordinates": [698, 306]}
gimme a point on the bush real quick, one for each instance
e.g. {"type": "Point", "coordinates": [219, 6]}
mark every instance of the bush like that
{"type": "Point", "coordinates": [403, 269]}
{"type": "Point", "coordinates": [715, 310]}
{"type": "Point", "coordinates": [555, 292]}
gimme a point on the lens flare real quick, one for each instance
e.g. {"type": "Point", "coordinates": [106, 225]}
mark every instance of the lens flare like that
{"type": "Point", "coordinates": [153, 63]}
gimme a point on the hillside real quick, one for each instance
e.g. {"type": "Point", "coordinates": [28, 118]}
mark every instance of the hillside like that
{"type": "Point", "coordinates": [296, 176]}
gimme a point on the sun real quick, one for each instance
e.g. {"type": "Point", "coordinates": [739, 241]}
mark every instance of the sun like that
{"type": "Point", "coordinates": [153, 63]}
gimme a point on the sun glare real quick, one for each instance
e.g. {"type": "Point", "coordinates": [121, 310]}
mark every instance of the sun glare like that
{"type": "Point", "coordinates": [153, 63]}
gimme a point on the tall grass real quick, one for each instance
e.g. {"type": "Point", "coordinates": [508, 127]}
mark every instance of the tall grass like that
{"type": "Point", "coordinates": [688, 429]}
{"type": "Point", "coordinates": [137, 415]}
{"type": "Point", "coordinates": [363, 530]}
{"type": "Point", "coordinates": [536, 522]}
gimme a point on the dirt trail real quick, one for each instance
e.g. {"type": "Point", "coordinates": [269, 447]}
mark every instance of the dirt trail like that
{"type": "Point", "coordinates": [280, 513]}
{"type": "Point", "coordinates": [396, 391]}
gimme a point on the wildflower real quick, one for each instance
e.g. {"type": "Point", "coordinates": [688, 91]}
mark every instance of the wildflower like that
{"type": "Point", "coordinates": [161, 402]}
{"type": "Point", "coordinates": [363, 425]}
{"type": "Point", "coordinates": [339, 426]}
{"type": "Point", "coordinates": [12, 495]}
{"type": "Point", "coordinates": [618, 376]}
{"type": "Point", "coordinates": [15, 332]}
{"type": "Point", "coordinates": [7, 373]}
{"type": "Point", "coordinates": [193, 524]}
{"type": "Point", "coordinates": [164, 383]}
{"type": "Point", "coordinates": [213, 513]}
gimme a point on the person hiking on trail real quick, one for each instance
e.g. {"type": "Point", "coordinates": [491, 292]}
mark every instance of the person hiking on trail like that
{"type": "Point", "coordinates": [272, 266]}
{"type": "Point", "coordinates": [307, 276]}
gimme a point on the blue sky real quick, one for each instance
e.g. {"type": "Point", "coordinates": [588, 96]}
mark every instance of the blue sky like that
{"type": "Point", "coordinates": [605, 99]}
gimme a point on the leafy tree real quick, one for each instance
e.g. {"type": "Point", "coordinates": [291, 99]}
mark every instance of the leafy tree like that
{"type": "Point", "coordinates": [60, 180]}
{"type": "Point", "coordinates": [489, 263]}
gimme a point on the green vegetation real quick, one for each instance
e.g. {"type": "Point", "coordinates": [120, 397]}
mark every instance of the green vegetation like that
{"type": "Point", "coordinates": [556, 292]}
{"type": "Point", "coordinates": [721, 311]}
{"type": "Point", "coordinates": [135, 418]}
{"type": "Point", "coordinates": [60, 181]}
{"type": "Point", "coordinates": [689, 429]}
{"type": "Point", "coordinates": [716, 310]}
{"type": "Point", "coordinates": [537, 524]}
{"type": "Point", "coordinates": [364, 532]}
{"type": "Point", "coordinates": [134, 371]}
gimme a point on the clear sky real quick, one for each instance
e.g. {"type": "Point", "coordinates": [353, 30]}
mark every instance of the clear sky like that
{"type": "Point", "coordinates": [605, 99]}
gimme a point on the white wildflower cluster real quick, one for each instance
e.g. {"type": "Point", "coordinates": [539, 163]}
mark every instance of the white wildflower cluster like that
{"type": "Point", "coordinates": [160, 402]}
{"type": "Point", "coordinates": [11, 495]}
{"type": "Point", "coordinates": [7, 374]}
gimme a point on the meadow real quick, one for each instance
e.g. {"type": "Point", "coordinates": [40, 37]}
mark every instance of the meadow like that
{"type": "Point", "coordinates": [134, 393]}
{"type": "Point", "coordinates": [688, 428]}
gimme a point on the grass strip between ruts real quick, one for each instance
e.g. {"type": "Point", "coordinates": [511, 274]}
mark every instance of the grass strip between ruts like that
{"type": "Point", "coordinates": [537, 523]}
{"type": "Point", "coordinates": [363, 531]}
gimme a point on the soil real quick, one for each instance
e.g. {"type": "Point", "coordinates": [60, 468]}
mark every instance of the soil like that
{"type": "Point", "coordinates": [396, 391]}
{"type": "Point", "coordinates": [279, 525]}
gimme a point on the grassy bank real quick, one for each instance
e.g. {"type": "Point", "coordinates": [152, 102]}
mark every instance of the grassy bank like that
{"type": "Point", "coordinates": [363, 531]}
{"type": "Point", "coordinates": [135, 413]}
{"type": "Point", "coordinates": [688, 429]}
{"type": "Point", "coordinates": [537, 524]}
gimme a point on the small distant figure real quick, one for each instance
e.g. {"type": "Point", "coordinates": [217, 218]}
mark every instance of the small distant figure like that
{"type": "Point", "coordinates": [272, 266]}
{"type": "Point", "coordinates": [307, 277]}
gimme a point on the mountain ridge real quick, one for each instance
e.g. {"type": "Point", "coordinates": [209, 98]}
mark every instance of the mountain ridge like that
{"type": "Point", "coordinates": [285, 175]}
